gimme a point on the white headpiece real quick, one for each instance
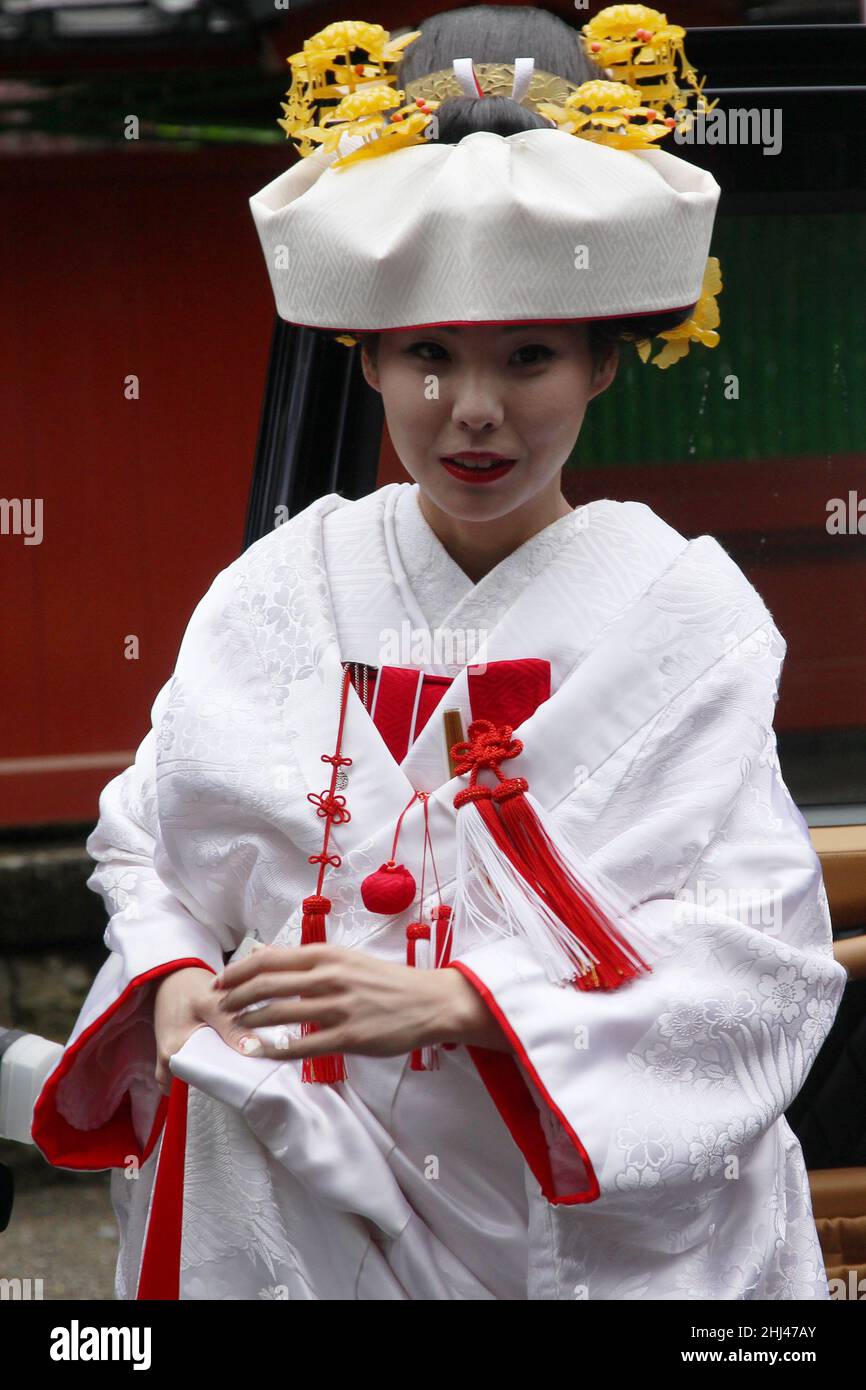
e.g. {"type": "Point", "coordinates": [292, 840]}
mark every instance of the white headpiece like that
{"type": "Point", "coordinates": [536, 225]}
{"type": "Point", "coordinates": [382, 228]}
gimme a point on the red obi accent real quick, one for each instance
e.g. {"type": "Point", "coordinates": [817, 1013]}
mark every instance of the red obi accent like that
{"type": "Point", "coordinates": [507, 692]}
{"type": "Point", "coordinates": [394, 704]}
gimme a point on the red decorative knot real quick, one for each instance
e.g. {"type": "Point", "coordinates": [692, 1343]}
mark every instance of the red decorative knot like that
{"type": "Point", "coordinates": [336, 759]}
{"type": "Point", "coordinates": [487, 745]}
{"type": "Point", "coordinates": [316, 903]}
{"type": "Point", "coordinates": [334, 807]}
{"type": "Point", "coordinates": [443, 910]}
{"type": "Point", "coordinates": [418, 931]}
{"type": "Point", "coordinates": [333, 859]}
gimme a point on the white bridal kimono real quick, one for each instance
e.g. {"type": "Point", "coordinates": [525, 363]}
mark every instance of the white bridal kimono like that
{"type": "Point", "coordinates": [632, 1144]}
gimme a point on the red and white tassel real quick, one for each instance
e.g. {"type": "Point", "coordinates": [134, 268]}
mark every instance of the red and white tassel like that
{"type": "Point", "coordinates": [442, 921]}
{"type": "Point", "coordinates": [517, 876]}
{"type": "Point", "coordinates": [331, 1066]}
{"type": "Point", "coordinates": [442, 953]}
{"type": "Point", "coordinates": [420, 949]}
{"type": "Point", "coordinates": [332, 808]}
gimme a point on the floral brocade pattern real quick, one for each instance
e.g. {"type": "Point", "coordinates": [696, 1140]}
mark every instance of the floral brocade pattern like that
{"type": "Point", "coordinates": [669, 782]}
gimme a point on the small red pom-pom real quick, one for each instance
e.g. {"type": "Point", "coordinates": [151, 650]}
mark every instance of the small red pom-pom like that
{"type": "Point", "coordinates": [389, 890]}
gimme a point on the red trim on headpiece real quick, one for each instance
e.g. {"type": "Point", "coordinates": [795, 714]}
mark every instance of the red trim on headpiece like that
{"type": "Point", "coordinates": [494, 323]}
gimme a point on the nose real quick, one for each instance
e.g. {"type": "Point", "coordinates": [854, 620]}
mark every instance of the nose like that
{"type": "Point", "coordinates": [478, 403]}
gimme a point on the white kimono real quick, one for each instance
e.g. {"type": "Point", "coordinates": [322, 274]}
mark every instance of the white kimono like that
{"type": "Point", "coordinates": [632, 1144]}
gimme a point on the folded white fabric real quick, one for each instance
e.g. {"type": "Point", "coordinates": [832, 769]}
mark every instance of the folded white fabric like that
{"type": "Point", "coordinates": [535, 225]}
{"type": "Point", "coordinates": [310, 1130]}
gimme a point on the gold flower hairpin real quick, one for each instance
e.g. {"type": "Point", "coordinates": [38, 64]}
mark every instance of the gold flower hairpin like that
{"type": "Point", "coordinates": [370, 110]}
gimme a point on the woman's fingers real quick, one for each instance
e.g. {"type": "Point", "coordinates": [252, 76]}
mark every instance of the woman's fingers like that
{"type": "Point", "coordinates": [317, 1044]}
{"type": "Point", "coordinates": [272, 984]}
{"type": "Point", "coordinates": [288, 1011]}
{"type": "Point", "coordinates": [271, 958]}
{"type": "Point", "coordinates": [229, 1029]}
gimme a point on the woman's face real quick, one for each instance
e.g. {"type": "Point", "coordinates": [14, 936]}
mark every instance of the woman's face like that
{"type": "Point", "coordinates": [518, 391]}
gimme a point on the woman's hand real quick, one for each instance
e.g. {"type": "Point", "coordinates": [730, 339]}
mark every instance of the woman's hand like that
{"type": "Point", "coordinates": [184, 1001]}
{"type": "Point", "coordinates": [360, 1003]}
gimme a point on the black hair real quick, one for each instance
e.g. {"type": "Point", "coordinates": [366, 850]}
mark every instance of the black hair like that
{"type": "Point", "coordinates": [499, 34]}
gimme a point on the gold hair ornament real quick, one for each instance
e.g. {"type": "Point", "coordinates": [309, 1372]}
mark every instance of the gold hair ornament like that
{"type": "Point", "coordinates": [635, 46]}
{"type": "Point", "coordinates": [370, 109]}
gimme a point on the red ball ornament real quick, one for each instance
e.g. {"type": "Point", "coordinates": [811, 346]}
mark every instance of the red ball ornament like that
{"type": "Point", "coordinates": [389, 890]}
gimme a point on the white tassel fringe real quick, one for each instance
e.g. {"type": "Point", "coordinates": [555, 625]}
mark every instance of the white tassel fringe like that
{"type": "Point", "coordinates": [494, 899]}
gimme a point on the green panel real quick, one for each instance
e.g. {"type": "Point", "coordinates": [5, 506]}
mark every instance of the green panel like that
{"type": "Point", "coordinates": [791, 331]}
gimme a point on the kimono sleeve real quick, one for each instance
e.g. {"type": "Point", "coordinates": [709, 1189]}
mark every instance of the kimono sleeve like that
{"type": "Point", "coordinates": [101, 1104]}
{"type": "Point", "coordinates": [677, 1074]}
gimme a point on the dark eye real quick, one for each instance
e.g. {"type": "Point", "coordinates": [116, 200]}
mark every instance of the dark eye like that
{"type": "Point", "coordinates": [534, 347]}
{"type": "Point", "coordinates": [415, 350]}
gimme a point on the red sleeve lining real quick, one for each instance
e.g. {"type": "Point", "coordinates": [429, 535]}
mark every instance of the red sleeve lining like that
{"type": "Point", "coordinates": [510, 1094]}
{"type": "Point", "coordinates": [115, 1141]}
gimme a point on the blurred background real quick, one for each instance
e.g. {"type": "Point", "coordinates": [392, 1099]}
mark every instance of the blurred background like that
{"type": "Point", "coordinates": [147, 408]}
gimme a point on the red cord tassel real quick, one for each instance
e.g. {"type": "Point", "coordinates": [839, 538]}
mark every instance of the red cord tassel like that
{"type": "Point", "coordinates": [519, 834]}
{"type": "Point", "coordinates": [442, 917]}
{"type": "Point", "coordinates": [331, 1066]}
{"type": "Point", "coordinates": [415, 932]}
{"type": "Point", "coordinates": [554, 881]}
{"type": "Point", "coordinates": [437, 954]}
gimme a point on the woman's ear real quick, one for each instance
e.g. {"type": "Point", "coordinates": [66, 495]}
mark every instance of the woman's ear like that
{"type": "Point", "coordinates": [368, 364]}
{"type": "Point", "coordinates": [606, 371]}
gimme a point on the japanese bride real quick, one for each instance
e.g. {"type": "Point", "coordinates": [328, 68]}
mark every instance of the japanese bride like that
{"type": "Point", "coordinates": [468, 799]}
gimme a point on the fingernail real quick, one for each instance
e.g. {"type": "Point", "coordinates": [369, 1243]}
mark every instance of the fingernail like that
{"type": "Point", "coordinates": [217, 982]}
{"type": "Point", "coordinates": [251, 1046]}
